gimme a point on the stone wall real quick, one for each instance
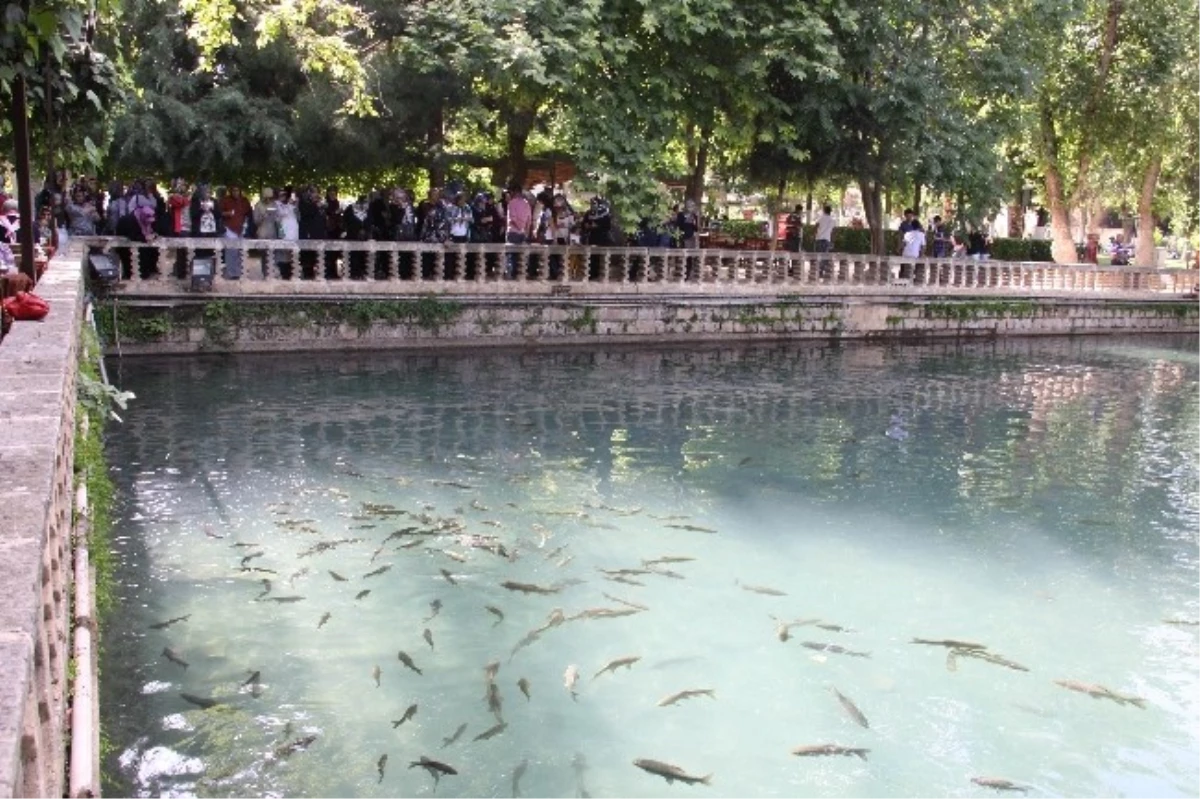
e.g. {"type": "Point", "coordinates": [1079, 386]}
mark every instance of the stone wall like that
{"type": "Point", "coordinates": [37, 406]}
{"type": "Point", "coordinates": [189, 325]}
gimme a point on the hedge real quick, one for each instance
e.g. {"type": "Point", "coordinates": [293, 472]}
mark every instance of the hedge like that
{"type": "Point", "coordinates": [858, 241]}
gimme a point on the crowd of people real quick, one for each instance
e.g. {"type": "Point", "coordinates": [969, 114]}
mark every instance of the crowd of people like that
{"type": "Point", "coordinates": [141, 212]}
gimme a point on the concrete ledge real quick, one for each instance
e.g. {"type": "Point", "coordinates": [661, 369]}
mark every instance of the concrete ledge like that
{"type": "Point", "coordinates": [37, 410]}
{"type": "Point", "coordinates": [187, 324]}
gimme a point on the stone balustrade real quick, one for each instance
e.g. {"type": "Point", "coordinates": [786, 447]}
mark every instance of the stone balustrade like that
{"type": "Point", "coordinates": [377, 267]}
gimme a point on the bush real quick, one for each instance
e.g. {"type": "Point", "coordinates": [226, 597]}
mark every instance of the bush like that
{"type": "Point", "coordinates": [1021, 250]}
{"type": "Point", "coordinates": [856, 241]}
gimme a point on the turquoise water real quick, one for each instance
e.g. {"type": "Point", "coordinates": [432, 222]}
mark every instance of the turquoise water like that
{"type": "Point", "coordinates": [1038, 497]}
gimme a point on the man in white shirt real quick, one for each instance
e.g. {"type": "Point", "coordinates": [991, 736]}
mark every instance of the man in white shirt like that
{"type": "Point", "coordinates": [825, 225]}
{"type": "Point", "coordinates": [914, 241]}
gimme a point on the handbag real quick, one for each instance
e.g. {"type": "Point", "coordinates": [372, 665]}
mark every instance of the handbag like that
{"type": "Point", "coordinates": [27, 307]}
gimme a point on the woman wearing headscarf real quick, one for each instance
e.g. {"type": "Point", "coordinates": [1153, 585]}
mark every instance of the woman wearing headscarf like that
{"type": "Point", "coordinates": [138, 227]}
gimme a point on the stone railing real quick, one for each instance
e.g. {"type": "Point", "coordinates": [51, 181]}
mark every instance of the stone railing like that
{"type": "Point", "coordinates": [37, 401]}
{"type": "Point", "coordinates": [319, 267]}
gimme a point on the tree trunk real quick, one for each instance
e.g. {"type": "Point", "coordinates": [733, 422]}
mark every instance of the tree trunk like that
{"type": "Point", "coordinates": [1095, 215]}
{"type": "Point", "coordinates": [873, 207]}
{"type": "Point", "coordinates": [808, 205]}
{"type": "Point", "coordinates": [917, 201]}
{"type": "Point", "coordinates": [1063, 246]}
{"type": "Point", "coordinates": [435, 141]}
{"type": "Point", "coordinates": [1092, 105]}
{"type": "Point", "coordinates": [695, 187]}
{"type": "Point", "coordinates": [520, 125]}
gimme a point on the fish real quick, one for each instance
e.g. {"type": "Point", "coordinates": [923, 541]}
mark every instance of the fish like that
{"type": "Point", "coordinates": [298, 745]}
{"type": "Point", "coordinates": [254, 681]}
{"type": "Point", "coordinates": [668, 573]}
{"type": "Point", "coordinates": [523, 684]}
{"type": "Point", "coordinates": [667, 560]}
{"type": "Point", "coordinates": [199, 701]}
{"type": "Point", "coordinates": [297, 574]}
{"type": "Point", "coordinates": [435, 768]}
{"type": "Point", "coordinates": [362, 594]}
{"type": "Point", "coordinates": [605, 613]}
{"type": "Point", "coordinates": [1182, 622]}
{"type": "Point", "coordinates": [851, 709]}
{"type": "Point", "coordinates": [381, 765]}
{"type": "Point", "coordinates": [266, 589]}
{"type": "Point", "coordinates": [818, 750]}
{"type": "Point", "coordinates": [251, 557]}
{"type": "Point", "coordinates": [293, 522]}
{"type": "Point", "coordinates": [952, 659]}
{"type": "Point", "coordinates": [257, 570]}
{"type": "Point", "coordinates": [613, 665]}
{"type": "Point", "coordinates": [745, 461]}
{"type": "Point", "coordinates": [411, 544]}
{"type": "Point", "coordinates": [173, 656]}
{"type": "Point", "coordinates": [477, 505]}
{"type": "Point", "coordinates": [208, 531]}
{"type": "Point", "coordinates": [564, 561]}
{"type": "Point", "coordinates": [436, 607]}
{"type": "Point", "coordinates": [530, 588]}
{"type": "Point", "coordinates": [834, 648]}
{"type": "Point", "coordinates": [376, 673]}
{"type": "Point", "coordinates": [1101, 692]}
{"type": "Point", "coordinates": [557, 551]}
{"type": "Point", "coordinates": [456, 556]}
{"type": "Point", "coordinates": [377, 572]}
{"type": "Point", "coordinates": [670, 773]}
{"type": "Point", "coordinates": [407, 661]}
{"type": "Point", "coordinates": [376, 553]}
{"type": "Point", "coordinates": [495, 611]}
{"type": "Point", "coordinates": [454, 738]}
{"type": "Point", "coordinates": [490, 671]}
{"type": "Point", "coordinates": [626, 602]}
{"type": "Point", "coordinates": [494, 702]}
{"type": "Point", "coordinates": [452, 484]}
{"type": "Point", "coordinates": [949, 642]}
{"type": "Point", "coordinates": [692, 528]}
{"type": "Point", "coordinates": [428, 636]}
{"type": "Point", "coordinates": [242, 545]}
{"type": "Point", "coordinates": [408, 714]}
{"type": "Point", "coordinates": [999, 784]}
{"type": "Point", "coordinates": [624, 580]}
{"type": "Point", "coordinates": [285, 599]}
{"type": "Point", "coordinates": [624, 572]}
{"type": "Point", "coordinates": [990, 657]}
{"type": "Point", "coordinates": [518, 772]}
{"type": "Point", "coordinates": [162, 625]}
{"type": "Point", "coordinates": [324, 618]}
{"type": "Point", "coordinates": [337, 576]}
{"type": "Point", "coordinates": [449, 577]}
{"type": "Point", "coordinates": [760, 589]}
{"type": "Point", "coordinates": [834, 628]}
{"type": "Point", "coordinates": [491, 732]}
{"type": "Point", "coordinates": [570, 680]}
{"type": "Point", "coordinates": [690, 693]}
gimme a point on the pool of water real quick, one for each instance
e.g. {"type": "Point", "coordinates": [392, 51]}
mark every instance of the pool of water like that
{"type": "Point", "coordinates": [288, 526]}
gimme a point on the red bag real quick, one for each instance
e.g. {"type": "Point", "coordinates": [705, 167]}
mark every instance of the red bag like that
{"type": "Point", "coordinates": [27, 307]}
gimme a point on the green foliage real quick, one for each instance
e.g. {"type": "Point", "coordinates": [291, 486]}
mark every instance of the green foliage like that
{"type": "Point", "coordinates": [1020, 250]}
{"type": "Point", "coordinates": [91, 468]}
{"type": "Point", "coordinates": [970, 310]}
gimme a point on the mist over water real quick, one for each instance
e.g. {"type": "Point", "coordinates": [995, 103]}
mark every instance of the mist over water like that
{"type": "Point", "coordinates": [1039, 497]}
